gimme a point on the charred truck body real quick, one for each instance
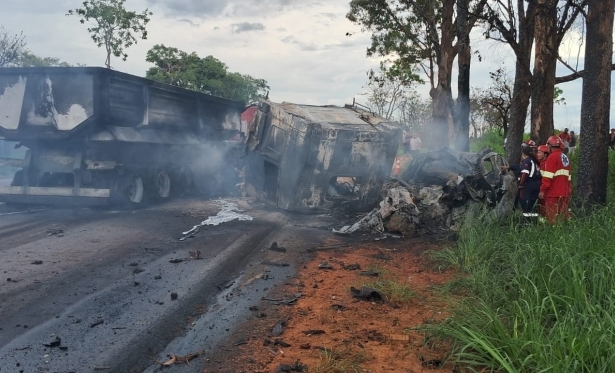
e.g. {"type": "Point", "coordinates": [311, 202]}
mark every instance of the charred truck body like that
{"type": "Point", "coordinates": [308, 158]}
{"type": "Point", "coordinates": [95, 135]}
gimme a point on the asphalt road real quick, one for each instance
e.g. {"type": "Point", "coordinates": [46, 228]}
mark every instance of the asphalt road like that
{"type": "Point", "coordinates": [86, 290]}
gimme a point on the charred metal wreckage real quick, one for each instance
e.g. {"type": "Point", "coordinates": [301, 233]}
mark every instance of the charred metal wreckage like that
{"type": "Point", "coordinates": [438, 191]}
{"type": "Point", "coordinates": [310, 158]}
{"type": "Point", "coordinates": [96, 136]}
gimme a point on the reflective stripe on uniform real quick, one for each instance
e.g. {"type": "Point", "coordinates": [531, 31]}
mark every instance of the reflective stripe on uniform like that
{"type": "Point", "coordinates": [560, 172]}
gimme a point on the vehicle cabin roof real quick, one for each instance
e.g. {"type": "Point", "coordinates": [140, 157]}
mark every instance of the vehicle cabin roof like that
{"type": "Point", "coordinates": [336, 117]}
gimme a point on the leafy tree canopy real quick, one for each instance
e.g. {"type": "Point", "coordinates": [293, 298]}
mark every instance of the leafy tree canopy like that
{"type": "Point", "coordinates": [29, 59]}
{"type": "Point", "coordinates": [208, 74]}
{"type": "Point", "coordinates": [112, 26]}
{"type": "Point", "coordinates": [11, 47]}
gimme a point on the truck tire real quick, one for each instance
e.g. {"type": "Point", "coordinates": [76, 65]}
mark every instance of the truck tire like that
{"type": "Point", "coordinates": [127, 190]}
{"type": "Point", "coordinates": [162, 184]}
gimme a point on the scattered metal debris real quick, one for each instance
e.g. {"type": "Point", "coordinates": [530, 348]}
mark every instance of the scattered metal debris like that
{"type": "Point", "coordinates": [278, 328]}
{"type": "Point", "coordinates": [365, 293]}
{"type": "Point", "coordinates": [313, 332]}
{"type": "Point", "coordinates": [438, 191]}
{"type": "Point", "coordinates": [174, 359]}
{"type": "Point", "coordinates": [37, 262]}
{"type": "Point", "coordinates": [54, 343]}
{"type": "Point", "coordinates": [274, 247]}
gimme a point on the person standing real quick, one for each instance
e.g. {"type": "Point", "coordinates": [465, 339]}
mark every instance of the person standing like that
{"type": "Point", "coordinates": [555, 187]}
{"type": "Point", "coordinates": [415, 144]}
{"type": "Point", "coordinates": [573, 143]}
{"type": "Point", "coordinates": [407, 139]}
{"type": "Point", "coordinates": [565, 136]}
{"type": "Point", "coordinates": [529, 182]}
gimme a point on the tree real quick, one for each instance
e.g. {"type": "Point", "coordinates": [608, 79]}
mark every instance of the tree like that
{"type": "Point", "coordinates": [546, 21]}
{"type": "Point", "coordinates": [387, 90]}
{"type": "Point", "coordinates": [208, 75]}
{"type": "Point", "coordinates": [495, 103]}
{"type": "Point", "coordinates": [596, 103]}
{"type": "Point", "coordinates": [12, 47]}
{"type": "Point", "coordinates": [421, 34]}
{"type": "Point", "coordinates": [113, 26]}
{"type": "Point", "coordinates": [29, 59]}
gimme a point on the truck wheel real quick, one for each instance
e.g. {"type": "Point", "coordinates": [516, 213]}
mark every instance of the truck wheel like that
{"type": "Point", "coordinates": [127, 190]}
{"type": "Point", "coordinates": [163, 184]}
{"type": "Point", "coordinates": [134, 188]}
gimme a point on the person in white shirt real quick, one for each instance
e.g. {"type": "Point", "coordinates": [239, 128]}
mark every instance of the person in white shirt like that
{"type": "Point", "coordinates": [415, 144]}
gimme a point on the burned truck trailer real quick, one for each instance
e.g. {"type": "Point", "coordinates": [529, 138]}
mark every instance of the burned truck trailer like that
{"type": "Point", "coordinates": [310, 158]}
{"type": "Point", "coordinates": [96, 136]}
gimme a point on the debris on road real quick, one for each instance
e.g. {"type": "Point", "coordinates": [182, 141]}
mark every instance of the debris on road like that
{"type": "Point", "coordinates": [174, 359]}
{"type": "Point", "coordinates": [54, 343]}
{"type": "Point", "coordinates": [274, 247]}
{"type": "Point", "coordinates": [37, 262]}
{"type": "Point", "coordinates": [365, 293]}
{"type": "Point", "coordinates": [230, 211]}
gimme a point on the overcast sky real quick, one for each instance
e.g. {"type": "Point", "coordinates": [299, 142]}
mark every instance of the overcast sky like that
{"type": "Point", "coordinates": [299, 47]}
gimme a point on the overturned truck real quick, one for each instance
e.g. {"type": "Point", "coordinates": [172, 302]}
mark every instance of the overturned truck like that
{"type": "Point", "coordinates": [96, 136]}
{"type": "Point", "coordinates": [310, 158]}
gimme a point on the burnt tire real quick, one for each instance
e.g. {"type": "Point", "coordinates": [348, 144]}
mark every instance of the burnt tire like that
{"type": "Point", "coordinates": [162, 185]}
{"type": "Point", "coordinates": [127, 190]}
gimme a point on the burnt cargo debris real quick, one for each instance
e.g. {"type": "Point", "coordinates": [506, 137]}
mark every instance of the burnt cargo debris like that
{"type": "Point", "coordinates": [438, 191]}
{"type": "Point", "coordinates": [95, 135]}
{"type": "Point", "coordinates": [310, 158]}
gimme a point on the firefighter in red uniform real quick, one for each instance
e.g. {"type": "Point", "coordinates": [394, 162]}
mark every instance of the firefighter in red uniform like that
{"type": "Point", "coordinates": [555, 188]}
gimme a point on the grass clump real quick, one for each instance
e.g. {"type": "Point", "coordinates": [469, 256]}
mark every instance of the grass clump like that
{"type": "Point", "coordinates": [541, 297]}
{"type": "Point", "coordinates": [391, 288]}
{"type": "Point", "coordinates": [332, 361]}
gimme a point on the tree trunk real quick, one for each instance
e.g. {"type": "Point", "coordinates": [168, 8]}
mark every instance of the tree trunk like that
{"type": "Point", "coordinates": [596, 103]}
{"type": "Point", "coordinates": [518, 110]}
{"type": "Point", "coordinates": [545, 58]}
{"type": "Point", "coordinates": [441, 94]}
{"type": "Point", "coordinates": [463, 79]}
{"type": "Point", "coordinates": [520, 100]}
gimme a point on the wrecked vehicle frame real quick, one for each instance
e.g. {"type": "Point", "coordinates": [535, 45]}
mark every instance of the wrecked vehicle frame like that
{"type": "Point", "coordinates": [310, 158]}
{"type": "Point", "coordinates": [438, 191]}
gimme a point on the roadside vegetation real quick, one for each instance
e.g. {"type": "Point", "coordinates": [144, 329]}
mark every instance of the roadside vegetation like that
{"type": "Point", "coordinates": [536, 297]}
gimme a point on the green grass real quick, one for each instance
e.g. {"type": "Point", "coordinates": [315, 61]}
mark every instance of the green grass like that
{"type": "Point", "coordinates": [542, 297]}
{"type": "Point", "coordinates": [391, 288]}
{"type": "Point", "coordinates": [332, 361]}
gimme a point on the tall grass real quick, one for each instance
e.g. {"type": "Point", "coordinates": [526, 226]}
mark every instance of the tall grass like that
{"type": "Point", "coordinates": [542, 297]}
{"type": "Point", "coordinates": [491, 139]}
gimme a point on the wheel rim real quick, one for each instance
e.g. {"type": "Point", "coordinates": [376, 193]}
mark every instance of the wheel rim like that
{"type": "Point", "coordinates": [135, 189]}
{"type": "Point", "coordinates": [163, 182]}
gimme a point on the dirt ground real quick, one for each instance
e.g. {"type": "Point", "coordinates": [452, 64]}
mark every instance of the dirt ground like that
{"type": "Point", "coordinates": [314, 322]}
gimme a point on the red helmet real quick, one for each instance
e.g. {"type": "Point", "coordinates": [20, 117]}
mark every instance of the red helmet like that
{"type": "Point", "coordinates": [554, 141]}
{"type": "Point", "coordinates": [529, 143]}
{"type": "Point", "coordinates": [543, 148]}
